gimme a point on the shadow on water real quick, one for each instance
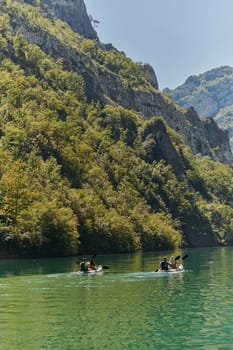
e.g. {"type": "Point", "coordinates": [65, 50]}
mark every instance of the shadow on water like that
{"type": "Point", "coordinates": [18, 267]}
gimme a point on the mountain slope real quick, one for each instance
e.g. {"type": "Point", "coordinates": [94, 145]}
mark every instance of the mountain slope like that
{"type": "Point", "coordinates": [211, 94]}
{"type": "Point", "coordinates": [111, 77]}
{"type": "Point", "coordinates": [94, 158]}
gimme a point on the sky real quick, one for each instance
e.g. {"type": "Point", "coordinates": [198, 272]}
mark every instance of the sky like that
{"type": "Point", "coordinates": [178, 38]}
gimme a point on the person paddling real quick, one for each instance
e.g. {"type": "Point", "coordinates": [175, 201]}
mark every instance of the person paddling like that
{"type": "Point", "coordinates": [164, 264]}
{"type": "Point", "coordinates": [172, 262]}
{"type": "Point", "coordinates": [83, 265]}
{"type": "Point", "coordinates": [92, 262]}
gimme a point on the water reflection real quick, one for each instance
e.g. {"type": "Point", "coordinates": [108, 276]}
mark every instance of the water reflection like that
{"type": "Point", "coordinates": [18, 267]}
{"type": "Point", "coordinates": [44, 304]}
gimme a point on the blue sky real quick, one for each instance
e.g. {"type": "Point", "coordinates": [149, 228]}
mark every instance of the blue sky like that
{"type": "Point", "coordinates": [178, 38]}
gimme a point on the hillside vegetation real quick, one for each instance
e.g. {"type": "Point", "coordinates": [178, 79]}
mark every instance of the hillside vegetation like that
{"type": "Point", "coordinates": [78, 176]}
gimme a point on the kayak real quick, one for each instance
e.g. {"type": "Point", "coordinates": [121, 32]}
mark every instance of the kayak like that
{"type": "Point", "coordinates": [180, 268]}
{"type": "Point", "coordinates": [99, 268]}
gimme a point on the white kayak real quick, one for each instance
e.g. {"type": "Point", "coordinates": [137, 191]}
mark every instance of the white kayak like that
{"type": "Point", "coordinates": [178, 269]}
{"type": "Point", "coordinates": [99, 268]}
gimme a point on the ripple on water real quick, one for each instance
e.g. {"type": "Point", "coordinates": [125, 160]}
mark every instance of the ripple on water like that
{"type": "Point", "coordinates": [121, 310]}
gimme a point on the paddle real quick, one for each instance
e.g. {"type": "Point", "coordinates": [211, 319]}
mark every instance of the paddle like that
{"type": "Point", "coordinates": [184, 257]}
{"type": "Point", "coordinates": [105, 267]}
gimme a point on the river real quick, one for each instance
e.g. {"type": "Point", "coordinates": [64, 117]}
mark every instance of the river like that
{"type": "Point", "coordinates": [44, 305]}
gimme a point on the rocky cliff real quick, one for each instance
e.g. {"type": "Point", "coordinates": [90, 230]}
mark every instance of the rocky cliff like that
{"type": "Point", "coordinates": [72, 12]}
{"type": "Point", "coordinates": [211, 94]}
{"type": "Point", "coordinates": [106, 86]}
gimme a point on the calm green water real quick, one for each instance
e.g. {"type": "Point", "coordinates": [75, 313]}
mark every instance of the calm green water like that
{"type": "Point", "coordinates": [43, 305]}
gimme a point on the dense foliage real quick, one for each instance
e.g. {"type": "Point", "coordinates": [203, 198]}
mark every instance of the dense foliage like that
{"type": "Point", "coordinates": [77, 176]}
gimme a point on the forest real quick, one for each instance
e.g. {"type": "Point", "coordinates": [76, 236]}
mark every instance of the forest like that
{"type": "Point", "coordinates": [81, 176]}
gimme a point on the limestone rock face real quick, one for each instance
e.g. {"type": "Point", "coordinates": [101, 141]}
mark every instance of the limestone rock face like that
{"type": "Point", "coordinates": [72, 12]}
{"type": "Point", "coordinates": [211, 94]}
{"type": "Point", "coordinates": [218, 137]}
{"type": "Point", "coordinates": [207, 92]}
{"type": "Point", "coordinates": [146, 69]}
{"type": "Point", "coordinates": [158, 146]}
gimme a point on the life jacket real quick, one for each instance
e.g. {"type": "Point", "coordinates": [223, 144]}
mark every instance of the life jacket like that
{"type": "Point", "coordinates": [83, 266]}
{"type": "Point", "coordinates": [164, 265]}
